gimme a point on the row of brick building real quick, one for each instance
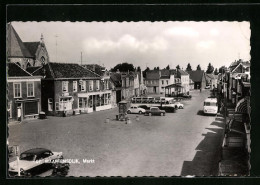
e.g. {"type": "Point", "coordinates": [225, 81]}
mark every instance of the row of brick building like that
{"type": "Point", "coordinates": [35, 84]}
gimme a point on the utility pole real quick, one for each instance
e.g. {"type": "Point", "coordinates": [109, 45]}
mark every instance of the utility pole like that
{"type": "Point", "coordinates": [81, 57]}
{"type": "Point", "coordinates": [56, 36]}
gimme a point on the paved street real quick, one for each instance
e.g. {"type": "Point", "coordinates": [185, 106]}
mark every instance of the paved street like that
{"type": "Point", "coordinates": [182, 143]}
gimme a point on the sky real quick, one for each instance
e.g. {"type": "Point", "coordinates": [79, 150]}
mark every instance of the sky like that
{"type": "Point", "coordinates": [143, 44]}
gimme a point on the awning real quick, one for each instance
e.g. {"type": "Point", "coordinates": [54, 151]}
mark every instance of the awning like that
{"type": "Point", "coordinates": [243, 105]}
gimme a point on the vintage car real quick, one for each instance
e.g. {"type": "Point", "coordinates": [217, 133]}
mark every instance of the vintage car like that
{"type": "Point", "coordinates": [135, 110]}
{"type": "Point", "coordinates": [33, 160]}
{"type": "Point", "coordinates": [178, 105]}
{"type": "Point", "coordinates": [168, 109]}
{"type": "Point", "coordinates": [155, 111]}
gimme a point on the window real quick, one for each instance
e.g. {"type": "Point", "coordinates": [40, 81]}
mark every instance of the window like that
{"type": "Point", "coordinates": [75, 86]}
{"type": "Point", "coordinates": [107, 84]}
{"type": "Point", "coordinates": [17, 90]}
{"type": "Point", "coordinates": [64, 86]}
{"type": "Point", "coordinates": [83, 86]}
{"type": "Point", "coordinates": [57, 106]}
{"type": "Point", "coordinates": [91, 85]}
{"type": "Point", "coordinates": [167, 82]}
{"type": "Point", "coordinates": [162, 82]}
{"type": "Point", "coordinates": [50, 104]}
{"type": "Point", "coordinates": [97, 84]}
{"type": "Point", "coordinates": [43, 60]}
{"type": "Point", "coordinates": [30, 89]}
{"type": "Point", "coordinates": [83, 102]}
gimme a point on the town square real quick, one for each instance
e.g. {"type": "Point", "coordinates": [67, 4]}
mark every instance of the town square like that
{"type": "Point", "coordinates": [131, 102]}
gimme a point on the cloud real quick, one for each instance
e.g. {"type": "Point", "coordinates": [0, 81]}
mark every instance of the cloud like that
{"type": "Point", "coordinates": [124, 43]}
{"type": "Point", "coordinates": [205, 44]}
{"type": "Point", "coordinates": [181, 31]}
{"type": "Point", "coordinates": [214, 32]}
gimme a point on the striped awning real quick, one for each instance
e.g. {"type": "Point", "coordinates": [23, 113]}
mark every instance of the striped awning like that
{"type": "Point", "coordinates": [243, 105]}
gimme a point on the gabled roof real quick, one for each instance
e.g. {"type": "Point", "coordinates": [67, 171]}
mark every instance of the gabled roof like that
{"type": "Point", "coordinates": [196, 76]}
{"type": "Point", "coordinates": [15, 70]}
{"type": "Point", "coordinates": [15, 46]}
{"type": "Point", "coordinates": [95, 68]}
{"type": "Point", "coordinates": [32, 47]}
{"type": "Point", "coordinates": [181, 72]}
{"type": "Point", "coordinates": [152, 75]}
{"type": "Point", "coordinates": [32, 69]}
{"type": "Point", "coordinates": [68, 70]}
{"type": "Point", "coordinates": [116, 79]}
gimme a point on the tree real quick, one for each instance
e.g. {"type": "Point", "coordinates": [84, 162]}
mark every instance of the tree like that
{"type": "Point", "coordinates": [222, 69]}
{"type": "Point", "coordinates": [123, 67]}
{"type": "Point", "coordinates": [168, 67]}
{"type": "Point", "coordinates": [178, 66]}
{"type": "Point", "coordinates": [138, 69]}
{"type": "Point", "coordinates": [216, 71]}
{"type": "Point", "coordinates": [158, 68]}
{"type": "Point", "coordinates": [198, 68]}
{"type": "Point", "coordinates": [210, 69]}
{"type": "Point", "coordinates": [188, 67]}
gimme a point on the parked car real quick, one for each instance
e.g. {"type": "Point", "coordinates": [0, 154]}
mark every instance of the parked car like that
{"type": "Point", "coordinates": [144, 107]}
{"type": "Point", "coordinates": [186, 96]}
{"type": "Point", "coordinates": [168, 109]}
{"type": "Point", "coordinates": [135, 110]}
{"type": "Point", "coordinates": [155, 111]}
{"type": "Point", "coordinates": [34, 160]}
{"type": "Point", "coordinates": [178, 105]}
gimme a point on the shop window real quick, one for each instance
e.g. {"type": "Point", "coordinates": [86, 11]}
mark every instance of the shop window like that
{"type": "Point", "coordinates": [90, 101]}
{"type": "Point", "coordinates": [30, 89]}
{"type": "Point", "coordinates": [83, 102]}
{"type": "Point", "coordinates": [17, 90]}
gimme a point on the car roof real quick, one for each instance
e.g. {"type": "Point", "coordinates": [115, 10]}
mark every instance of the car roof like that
{"type": "Point", "coordinates": [36, 151]}
{"type": "Point", "coordinates": [210, 100]}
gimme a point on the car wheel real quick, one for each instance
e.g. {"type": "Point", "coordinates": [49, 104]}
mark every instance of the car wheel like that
{"type": "Point", "coordinates": [162, 114]}
{"type": "Point", "coordinates": [140, 112]}
{"type": "Point", "coordinates": [150, 114]}
{"type": "Point", "coordinates": [128, 112]}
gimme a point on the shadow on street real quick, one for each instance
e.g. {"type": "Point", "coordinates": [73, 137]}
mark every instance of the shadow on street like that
{"type": "Point", "coordinates": [205, 161]}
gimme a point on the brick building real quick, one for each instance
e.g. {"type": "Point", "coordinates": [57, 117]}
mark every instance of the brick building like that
{"type": "Point", "coordinates": [24, 93]}
{"type": "Point", "coordinates": [71, 88]}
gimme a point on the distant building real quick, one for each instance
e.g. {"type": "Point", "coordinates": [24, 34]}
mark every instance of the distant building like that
{"type": "Point", "coordinates": [24, 93]}
{"type": "Point", "coordinates": [211, 80]}
{"type": "Point", "coordinates": [166, 78]}
{"type": "Point", "coordinates": [25, 54]}
{"type": "Point", "coordinates": [199, 79]}
{"type": "Point", "coordinates": [152, 81]}
{"type": "Point", "coordinates": [184, 79]}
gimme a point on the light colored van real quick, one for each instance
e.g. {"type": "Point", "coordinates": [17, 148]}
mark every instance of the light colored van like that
{"type": "Point", "coordinates": [210, 106]}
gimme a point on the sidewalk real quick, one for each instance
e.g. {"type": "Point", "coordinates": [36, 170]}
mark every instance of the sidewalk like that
{"type": "Point", "coordinates": [234, 156]}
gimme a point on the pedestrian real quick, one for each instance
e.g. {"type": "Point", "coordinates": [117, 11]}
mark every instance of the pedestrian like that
{"type": "Point", "coordinates": [200, 89]}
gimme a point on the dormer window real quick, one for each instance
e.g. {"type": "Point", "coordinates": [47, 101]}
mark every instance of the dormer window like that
{"type": "Point", "coordinates": [43, 60]}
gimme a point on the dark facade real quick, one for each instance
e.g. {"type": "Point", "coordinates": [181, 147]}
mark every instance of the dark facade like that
{"type": "Point", "coordinates": [24, 94]}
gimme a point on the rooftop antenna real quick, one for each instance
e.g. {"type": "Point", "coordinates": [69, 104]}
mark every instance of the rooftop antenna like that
{"type": "Point", "coordinates": [56, 36]}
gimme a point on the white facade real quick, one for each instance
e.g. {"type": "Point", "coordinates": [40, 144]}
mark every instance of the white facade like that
{"type": "Point", "coordinates": [165, 82]}
{"type": "Point", "coordinates": [185, 82]}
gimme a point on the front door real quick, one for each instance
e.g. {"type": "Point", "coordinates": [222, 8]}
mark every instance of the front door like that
{"type": "Point", "coordinates": [154, 89]}
{"type": "Point", "coordinates": [94, 102]}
